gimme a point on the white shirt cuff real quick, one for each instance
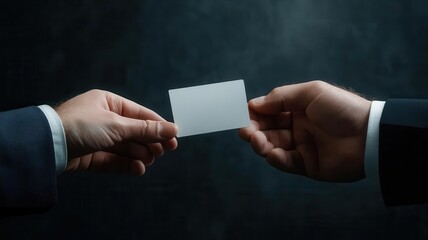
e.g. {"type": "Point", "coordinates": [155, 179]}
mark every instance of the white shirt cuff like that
{"type": "Point", "coordinates": [371, 163]}
{"type": "Point", "coordinates": [58, 137]}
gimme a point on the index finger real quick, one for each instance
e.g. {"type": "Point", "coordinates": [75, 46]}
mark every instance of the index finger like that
{"type": "Point", "coordinates": [134, 110]}
{"type": "Point", "coordinates": [294, 97]}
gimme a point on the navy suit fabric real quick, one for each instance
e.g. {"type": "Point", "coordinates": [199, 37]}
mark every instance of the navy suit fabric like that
{"type": "Point", "coordinates": [27, 162]}
{"type": "Point", "coordinates": [403, 151]}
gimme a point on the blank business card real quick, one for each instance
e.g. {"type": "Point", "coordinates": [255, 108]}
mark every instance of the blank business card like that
{"type": "Point", "coordinates": [209, 108]}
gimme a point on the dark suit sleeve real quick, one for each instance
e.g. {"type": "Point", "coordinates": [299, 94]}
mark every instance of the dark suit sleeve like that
{"type": "Point", "coordinates": [403, 152]}
{"type": "Point", "coordinates": [27, 162]}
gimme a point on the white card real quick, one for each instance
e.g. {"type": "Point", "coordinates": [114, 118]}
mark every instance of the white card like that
{"type": "Point", "coordinates": [210, 108]}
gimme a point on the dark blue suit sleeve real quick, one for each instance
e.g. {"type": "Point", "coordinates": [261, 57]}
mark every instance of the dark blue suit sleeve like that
{"type": "Point", "coordinates": [403, 152]}
{"type": "Point", "coordinates": [27, 162]}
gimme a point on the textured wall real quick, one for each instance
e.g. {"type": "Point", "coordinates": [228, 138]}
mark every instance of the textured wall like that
{"type": "Point", "coordinates": [213, 186]}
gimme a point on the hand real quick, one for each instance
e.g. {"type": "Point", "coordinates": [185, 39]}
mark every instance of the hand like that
{"type": "Point", "coordinates": [106, 132]}
{"type": "Point", "coordinates": [312, 129]}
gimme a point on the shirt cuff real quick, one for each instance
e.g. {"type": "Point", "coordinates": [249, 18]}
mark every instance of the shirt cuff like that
{"type": "Point", "coordinates": [371, 162]}
{"type": "Point", "coordinates": [58, 137]}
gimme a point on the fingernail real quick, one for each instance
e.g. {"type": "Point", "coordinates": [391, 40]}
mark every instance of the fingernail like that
{"type": "Point", "coordinates": [258, 100]}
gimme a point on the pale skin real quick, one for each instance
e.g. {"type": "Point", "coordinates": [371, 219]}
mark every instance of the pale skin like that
{"type": "Point", "coordinates": [108, 133]}
{"type": "Point", "coordinates": [312, 129]}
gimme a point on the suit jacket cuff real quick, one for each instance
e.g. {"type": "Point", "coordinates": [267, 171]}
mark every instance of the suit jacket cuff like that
{"type": "Point", "coordinates": [27, 162]}
{"type": "Point", "coordinates": [403, 152]}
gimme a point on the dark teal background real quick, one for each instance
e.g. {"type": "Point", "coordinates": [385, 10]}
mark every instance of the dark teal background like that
{"type": "Point", "coordinates": [213, 186]}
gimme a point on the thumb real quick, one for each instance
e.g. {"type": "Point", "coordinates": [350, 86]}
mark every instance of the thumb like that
{"type": "Point", "coordinates": [148, 131]}
{"type": "Point", "coordinates": [294, 97]}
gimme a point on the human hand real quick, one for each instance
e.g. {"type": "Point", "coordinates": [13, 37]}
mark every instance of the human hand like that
{"type": "Point", "coordinates": [312, 129]}
{"type": "Point", "coordinates": [106, 132]}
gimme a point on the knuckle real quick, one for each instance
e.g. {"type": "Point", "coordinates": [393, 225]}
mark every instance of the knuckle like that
{"type": "Point", "coordinates": [118, 127]}
{"type": "Point", "coordinates": [144, 128]}
{"type": "Point", "coordinates": [318, 84]}
{"type": "Point", "coordinates": [276, 92]}
{"type": "Point", "coordinates": [96, 91]}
